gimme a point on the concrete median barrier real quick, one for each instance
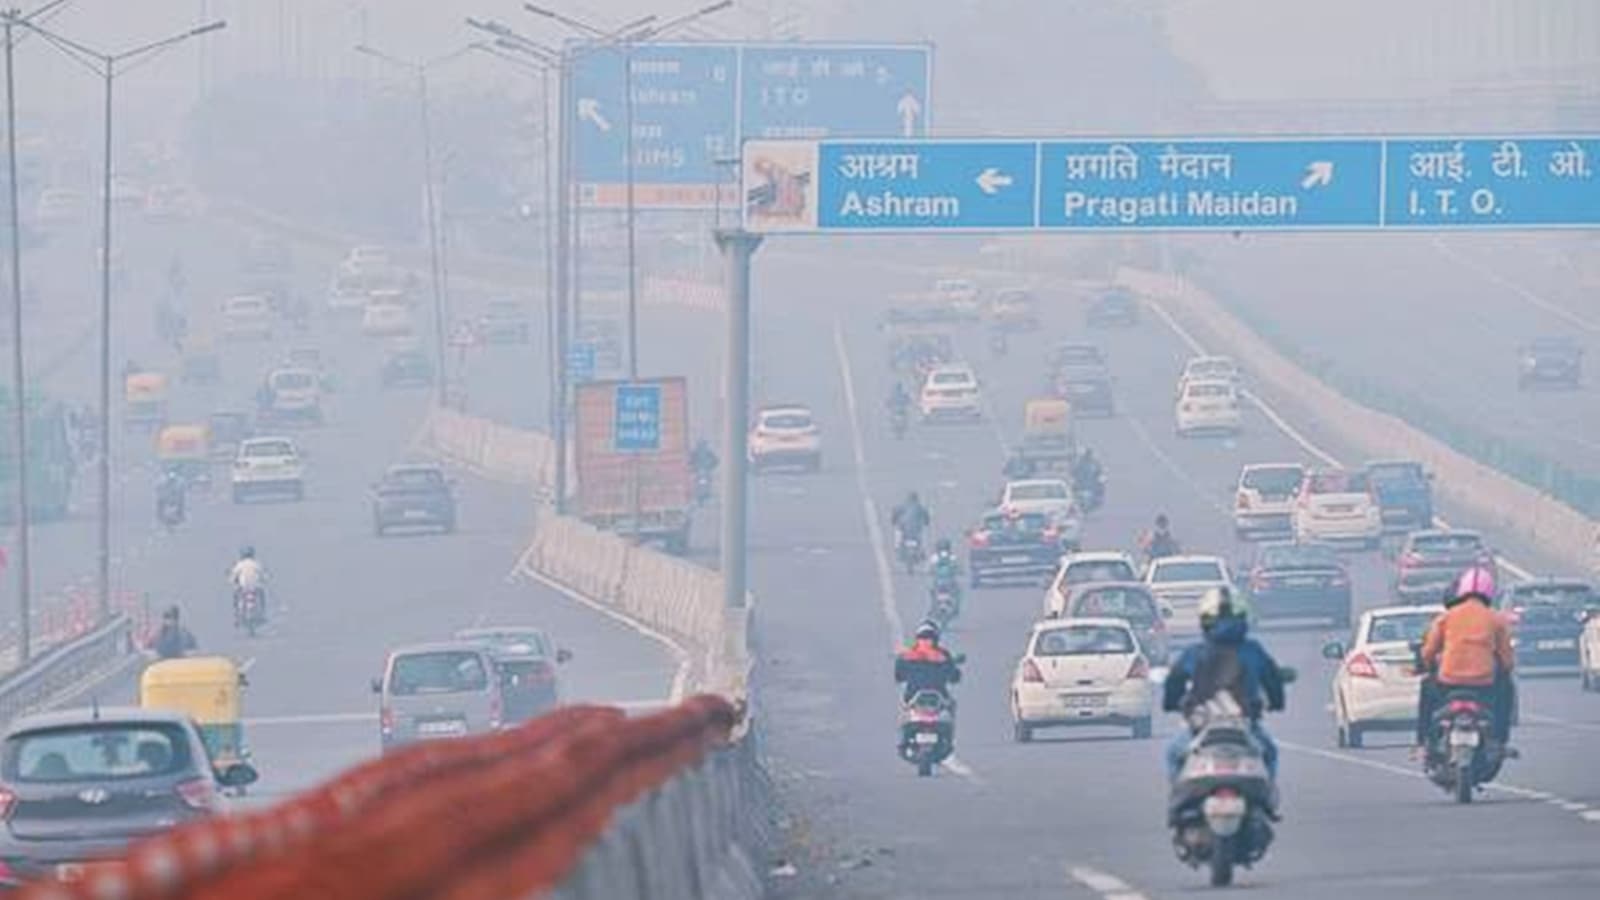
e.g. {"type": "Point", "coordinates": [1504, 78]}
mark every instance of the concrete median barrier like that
{"type": "Point", "coordinates": [68, 668]}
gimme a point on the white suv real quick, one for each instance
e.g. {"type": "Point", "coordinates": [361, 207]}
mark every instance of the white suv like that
{"type": "Point", "coordinates": [785, 436]}
{"type": "Point", "coordinates": [1264, 500]}
{"type": "Point", "coordinates": [268, 465]}
{"type": "Point", "coordinates": [1083, 568]}
{"type": "Point", "coordinates": [950, 392]}
{"type": "Point", "coordinates": [1335, 505]}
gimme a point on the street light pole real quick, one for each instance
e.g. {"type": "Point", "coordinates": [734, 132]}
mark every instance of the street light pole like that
{"type": "Point", "coordinates": [105, 66]}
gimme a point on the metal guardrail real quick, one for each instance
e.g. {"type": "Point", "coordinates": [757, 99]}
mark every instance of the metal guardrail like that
{"type": "Point", "coordinates": [66, 666]}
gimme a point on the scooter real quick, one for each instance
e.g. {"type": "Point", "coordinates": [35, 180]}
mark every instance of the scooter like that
{"type": "Point", "coordinates": [945, 602]}
{"type": "Point", "coordinates": [927, 730]}
{"type": "Point", "coordinates": [249, 611]}
{"type": "Point", "coordinates": [899, 421]}
{"type": "Point", "coordinates": [1460, 758]}
{"type": "Point", "coordinates": [170, 511]}
{"type": "Point", "coordinates": [1090, 495]}
{"type": "Point", "coordinates": [1222, 805]}
{"type": "Point", "coordinates": [702, 487]}
{"type": "Point", "coordinates": [909, 549]}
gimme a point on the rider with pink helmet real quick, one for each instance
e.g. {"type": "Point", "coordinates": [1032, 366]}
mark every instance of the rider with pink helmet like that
{"type": "Point", "coordinates": [1468, 648]}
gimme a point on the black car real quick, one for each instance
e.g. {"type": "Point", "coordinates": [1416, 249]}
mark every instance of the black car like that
{"type": "Point", "coordinates": [1550, 362]}
{"type": "Point", "coordinates": [1405, 493]}
{"type": "Point", "coordinates": [1112, 306]}
{"type": "Point", "coordinates": [1431, 560]}
{"type": "Point", "coordinates": [407, 367]}
{"type": "Point", "coordinates": [1295, 580]}
{"type": "Point", "coordinates": [526, 660]}
{"type": "Point", "coordinates": [1088, 390]}
{"type": "Point", "coordinates": [80, 785]}
{"type": "Point", "coordinates": [1022, 546]}
{"type": "Point", "coordinates": [1548, 616]}
{"type": "Point", "coordinates": [416, 495]}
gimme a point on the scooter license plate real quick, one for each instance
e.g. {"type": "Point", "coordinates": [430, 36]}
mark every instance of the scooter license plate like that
{"type": "Point", "coordinates": [1463, 738]}
{"type": "Point", "coordinates": [925, 737]}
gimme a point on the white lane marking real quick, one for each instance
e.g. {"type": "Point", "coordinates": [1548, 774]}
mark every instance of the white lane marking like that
{"type": "Point", "coordinates": [1561, 723]}
{"type": "Point", "coordinates": [1293, 433]}
{"type": "Point", "coordinates": [869, 508]}
{"type": "Point", "coordinates": [1498, 787]}
{"type": "Point", "coordinates": [1554, 309]}
{"type": "Point", "coordinates": [680, 678]}
{"type": "Point", "coordinates": [1177, 470]}
{"type": "Point", "coordinates": [1105, 884]}
{"type": "Point", "coordinates": [1592, 815]}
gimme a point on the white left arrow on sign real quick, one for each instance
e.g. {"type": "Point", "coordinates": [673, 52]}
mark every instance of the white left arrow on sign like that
{"type": "Point", "coordinates": [589, 111]}
{"type": "Point", "coordinates": [991, 180]}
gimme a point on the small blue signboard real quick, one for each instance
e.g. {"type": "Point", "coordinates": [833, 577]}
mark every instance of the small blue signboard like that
{"type": "Point", "coordinates": [581, 361]}
{"type": "Point", "coordinates": [1171, 184]}
{"type": "Point", "coordinates": [636, 424]}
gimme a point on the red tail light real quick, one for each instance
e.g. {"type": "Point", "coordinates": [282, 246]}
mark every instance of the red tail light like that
{"type": "Point", "coordinates": [1258, 581]}
{"type": "Point", "coordinates": [8, 803]}
{"type": "Point", "coordinates": [979, 539]}
{"type": "Point", "coordinates": [1361, 666]}
{"type": "Point", "coordinates": [386, 720]}
{"type": "Point", "coordinates": [1514, 616]}
{"type": "Point", "coordinates": [1050, 535]}
{"type": "Point", "coordinates": [1410, 558]}
{"type": "Point", "coordinates": [1140, 669]}
{"type": "Point", "coordinates": [1464, 706]}
{"type": "Point", "coordinates": [198, 793]}
{"type": "Point", "coordinates": [1031, 673]}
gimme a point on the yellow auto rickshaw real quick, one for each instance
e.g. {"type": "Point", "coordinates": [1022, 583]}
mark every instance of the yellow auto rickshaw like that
{"type": "Point", "coordinates": [201, 363]}
{"type": "Point", "coordinates": [208, 689]}
{"type": "Point", "coordinates": [145, 399]}
{"type": "Point", "coordinates": [1048, 445]}
{"type": "Point", "coordinates": [186, 450]}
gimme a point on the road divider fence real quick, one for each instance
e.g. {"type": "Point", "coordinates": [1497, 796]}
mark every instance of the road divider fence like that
{"type": "Point", "coordinates": [1491, 497]}
{"type": "Point", "coordinates": [582, 804]}
{"type": "Point", "coordinates": [68, 667]}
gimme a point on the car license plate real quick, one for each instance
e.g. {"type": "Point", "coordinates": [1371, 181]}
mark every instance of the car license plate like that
{"type": "Point", "coordinates": [925, 737]}
{"type": "Point", "coordinates": [1302, 582]}
{"type": "Point", "coordinates": [1463, 738]}
{"type": "Point", "coordinates": [1083, 701]}
{"type": "Point", "coordinates": [1341, 510]}
{"type": "Point", "coordinates": [416, 514]}
{"type": "Point", "coordinates": [1013, 560]}
{"type": "Point", "coordinates": [442, 727]}
{"type": "Point", "coordinates": [1556, 644]}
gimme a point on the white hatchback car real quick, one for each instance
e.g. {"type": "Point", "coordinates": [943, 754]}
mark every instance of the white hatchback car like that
{"type": "Point", "coordinates": [1208, 406]}
{"type": "Point", "coordinates": [1088, 671]}
{"type": "Point", "coordinates": [1337, 506]}
{"type": "Point", "coordinates": [387, 320]}
{"type": "Point", "coordinates": [1090, 567]}
{"type": "Point", "coordinates": [950, 392]}
{"type": "Point", "coordinates": [268, 465]}
{"type": "Point", "coordinates": [1264, 499]}
{"type": "Point", "coordinates": [785, 435]}
{"type": "Point", "coordinates": [1209, 368]}
{"type": "Point", "coordinates": [1375, 688]}
{"type": "Point", "coordinates": [1049, 496]}
{"type": "Point", "coordinates": [247, 317]}
{"type": "Point", "coordinates": [1180, 581]}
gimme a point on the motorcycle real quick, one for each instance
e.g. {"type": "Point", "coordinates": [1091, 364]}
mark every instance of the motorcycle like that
{"type": "Point", "coordinates": [169, 511]}
{"type": "Point", "coordinates": [1460, 759]}
{"type": "Point", "coordinates": [945, 602]}
{"type": "Point", "coordinates": [909, 548]}
{"type": "Point", "coordinates": [1091, 494]}
{"type": "Point", "coordinates": [702, 487]}
{"type": "Point", "coordinates": [927, 730]}
{"type": "Point", "coordinates": [249, 610]}
{"type": "Point", "coordinates": [1222, 804]}
{"type": "Point", "coordinates": [899, 421]}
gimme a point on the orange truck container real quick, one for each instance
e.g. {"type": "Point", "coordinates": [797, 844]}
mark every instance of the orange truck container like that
{"type": "Point", "coordinates": [645, 494]}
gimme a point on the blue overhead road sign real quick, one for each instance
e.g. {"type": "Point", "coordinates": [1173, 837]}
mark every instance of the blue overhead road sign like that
{"type": "Point", "coordinates": [695, 102]}
{"type": "Point", "coordinates": [1174, 184]}
{"type": "Point", "coordinates": [636, 424]}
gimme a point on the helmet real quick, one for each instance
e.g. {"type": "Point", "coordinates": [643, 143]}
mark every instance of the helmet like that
{"type": "Point", "coordinates": [247, 552]}
{"type": "Point", "coordinates": [170, 614]}
{"type": "Point", "coordinates": [1477, 581]}
{"type": "Point", "coordinates": [1215, 605]}
{"type": "Point", "coordinates": [1161, 520]}
{"type": "Point", "coordinates": [928, 630]}
{"type": "Point", "coordinates": [913, 499]}
{"type": "Point", "coordinates": [943, 546]}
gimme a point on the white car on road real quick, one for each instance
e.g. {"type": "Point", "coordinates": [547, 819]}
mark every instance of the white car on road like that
{"type": "Point", "coordinates": [1180, 581]}
{"type": "Point", "coordinates": [1375, 688]}
{"type": "Point", "coordinates": [1209, 368]}
{"type": "Point", "coordinates": [1088, 671]}
{"type": "Point", "coordinates": [785, 435]}
{"type": "Point", "coordinates": [268, 465]}
{"type": "Point", "coordinates": [247, 317]}
{"type": "Point", "coordinates": [1335, 505]}
{"type": "Point", "coordinates": [1088, 567]}
{"type": "Point", "coordinates": [368, 260]}
{"type": "Point", "coordinates": [1050, 497]}
{"type": "Point", "coordinates": [959, 295]}
{"type": "Point", "coordinates": [950, 392]}
{"type": "Point", "coordinates": [1264, 499]}
{"type": "Point", "coordinates": [1208, 406]}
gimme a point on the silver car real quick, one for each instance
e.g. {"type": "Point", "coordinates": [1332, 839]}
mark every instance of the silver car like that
{"type": "Point", "coordinates": [439, 690]}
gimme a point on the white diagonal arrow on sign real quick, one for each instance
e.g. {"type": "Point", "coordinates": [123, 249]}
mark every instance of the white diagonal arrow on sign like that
{"type": "Point", "coordinates": [991, 180]}
{"type": "Point", "coordinates": [1319, 173]}
{"type": "Point", "coordinates": [589, 110]}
